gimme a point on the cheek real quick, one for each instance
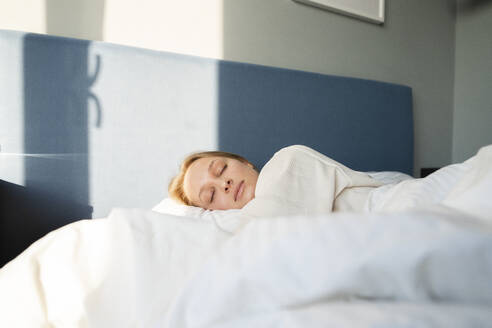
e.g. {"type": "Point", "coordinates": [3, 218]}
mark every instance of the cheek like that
{"type": "Point", "coordinates": [251, 193]}
{"type": "Point", "coordinates": [222, 202]}
{"type": "Point", "coordinates": [254, 178]}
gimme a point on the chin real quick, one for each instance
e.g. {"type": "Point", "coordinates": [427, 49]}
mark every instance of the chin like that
{"type": "Point", "coordinates": [247, 201]}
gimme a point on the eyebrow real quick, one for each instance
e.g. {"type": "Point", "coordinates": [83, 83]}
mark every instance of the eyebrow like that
{"type": "Point", "coordinates": [201, 189]}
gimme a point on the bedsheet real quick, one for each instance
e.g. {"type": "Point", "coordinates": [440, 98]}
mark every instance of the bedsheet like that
{"type": "Point", "coordinates": [419, 260]}
{"type": "Point", "coordinates": [425, 265]}
{"type": "Point", "coordinates": [137, 268]}
{"type": "Point", "coordinates": [464, 186]}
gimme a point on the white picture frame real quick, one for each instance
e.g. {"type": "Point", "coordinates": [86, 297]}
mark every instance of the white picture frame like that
{"type": "Point", "coordinates": [368, 10]}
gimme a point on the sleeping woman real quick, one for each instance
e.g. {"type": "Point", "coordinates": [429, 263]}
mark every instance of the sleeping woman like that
{"type": "Point", "coordinates": [297, 180]}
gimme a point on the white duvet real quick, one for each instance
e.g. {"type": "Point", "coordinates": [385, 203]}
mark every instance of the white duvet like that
{"type": "Point", "coordinates": [421, 258]}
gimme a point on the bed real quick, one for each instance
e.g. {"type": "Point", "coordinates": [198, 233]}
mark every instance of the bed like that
{"type": "Point", "coordinates": [77, 114]}
{"type": "Point", "coordinates": [93, 133]}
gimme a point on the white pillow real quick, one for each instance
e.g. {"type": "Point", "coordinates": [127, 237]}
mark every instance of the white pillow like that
{"type": "Point", "coordinates": [170, 206]}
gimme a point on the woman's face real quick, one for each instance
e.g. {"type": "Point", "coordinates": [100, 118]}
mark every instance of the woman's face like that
{"type": "Point", "coordinates": [220, 183]}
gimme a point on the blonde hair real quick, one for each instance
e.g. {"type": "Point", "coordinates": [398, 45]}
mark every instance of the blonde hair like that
{"type": "Point", "coordinates": [176, 190]}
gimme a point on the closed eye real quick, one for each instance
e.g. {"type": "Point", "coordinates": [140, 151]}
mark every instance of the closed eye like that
{"type": "Point", "coordinates": [212, 195]}
{"type": "Point", "coordinates": [223, 169]}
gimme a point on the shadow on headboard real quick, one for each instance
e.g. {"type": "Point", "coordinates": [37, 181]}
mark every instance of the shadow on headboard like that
{"type": "Point", "coordinates": [53, 151]}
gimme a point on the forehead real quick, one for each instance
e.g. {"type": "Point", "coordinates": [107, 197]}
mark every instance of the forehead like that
{"type": "Point", "coordinates": [196, 175]}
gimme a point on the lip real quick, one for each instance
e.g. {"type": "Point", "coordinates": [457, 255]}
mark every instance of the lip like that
{"type": "Point", "coordinates": [239, 191]}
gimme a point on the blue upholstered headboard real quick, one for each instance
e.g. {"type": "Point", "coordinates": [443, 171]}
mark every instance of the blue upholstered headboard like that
{"type": "Point", "coordinates": [366, 125]}
{"type": "Point", "coordinates": [87, 126]}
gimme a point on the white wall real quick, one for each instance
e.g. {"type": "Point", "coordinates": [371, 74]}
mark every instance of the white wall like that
{"type": "Point", "coordinates": [414, 47]}
{"type": "Point", "coordinates": [472, 120]}
{"type": "Point", "coordinates": [23, 15]}
{"type": "Point", "coordinates": [191, 27]}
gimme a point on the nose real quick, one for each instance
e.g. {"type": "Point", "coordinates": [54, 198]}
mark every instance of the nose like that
{"type": "Point", "coordinates": [227, 185]}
